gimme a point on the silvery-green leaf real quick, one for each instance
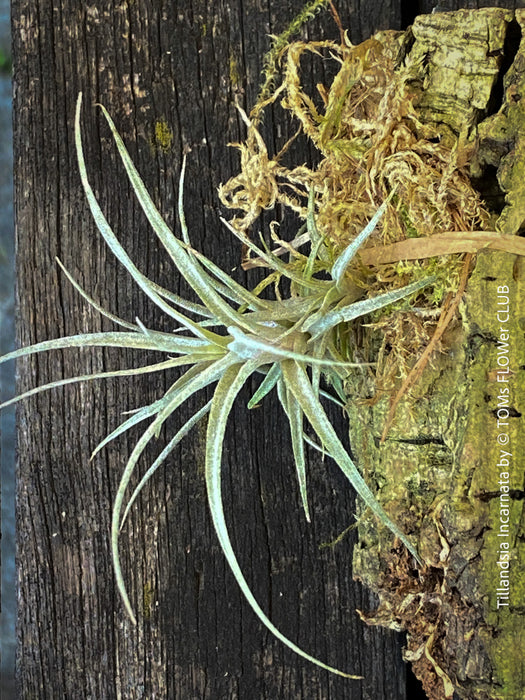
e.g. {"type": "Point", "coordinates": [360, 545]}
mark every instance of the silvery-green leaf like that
{"type": "Point", "coordinates": [137, 451]}
{"type": "Point", "coordinates": [164, 233]}
{"type": "Point", "coordinates": [186, 263]}
{"type": "Point", "coordinates": [348, 254]}
{"type": "Point", "coordinates": [162, 342]}
{"type": "Point", "coordinates": [267, 384]}
{"type": "Point", "coordinates": [94, 303]}
{"type": "Point", "coordinates": [116, 248]}
{"type": "Point", "coordinates": [159, 367]}
{"type": "Point", "coordinates": [318, 249]}
{"type": "Point", "coordinates": [229, 288]}
{"type": "Point", "coordinates": [153, 408]}
{"type": "Point", "coordinates": [333, 296]}
{"type": "Point", "coordinates": [318, 325]}
{"type": "Point", "coordinates": [227, 389]}
{"type": "Point", "coordinates": [175, 399]}
{"type": "Point", "coordinates": [319, 351]}
{"type": "Point", "coordinates": [179, 435]}
{"type": "Point", "coordinates": [248, 347]}
{"type": "Point", "coordinates": [136, 418]}
{"type": "Point", "coordinates": [298, 382]}
{"type": "Point", "coordinates": [295, 419]}
{"type": "Point", "coordinates": [287, 309]}
{"type": "Point", "coordinates": [192, 307]}
{"type": "Point", "coordinates": [331, 398]}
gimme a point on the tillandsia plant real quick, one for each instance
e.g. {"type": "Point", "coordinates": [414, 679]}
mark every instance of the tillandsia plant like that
{"type": "Point", "coordinates": [227, 337]}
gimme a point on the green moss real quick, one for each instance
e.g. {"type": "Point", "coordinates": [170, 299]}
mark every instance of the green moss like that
{"type": "Point", "coordinates": [147, 599]}
{"type": "Point", "coordinates": [163, 135]}
{"type": "Point", "coordinates": [446, 269]}
{"type": "Point", "coordinates": [404, 215]}
{"type": "Point", "coordinates": [280, 42]}
{"type": "Point", "coordinates": [234, 71]}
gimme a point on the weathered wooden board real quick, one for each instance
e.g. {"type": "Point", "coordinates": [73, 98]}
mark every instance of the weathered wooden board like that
{"type": "Point", "coordinates": [169, 74]}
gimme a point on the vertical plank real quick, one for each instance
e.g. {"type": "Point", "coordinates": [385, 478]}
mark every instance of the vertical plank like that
{"type": "Point", "coordinates": [168, 72]}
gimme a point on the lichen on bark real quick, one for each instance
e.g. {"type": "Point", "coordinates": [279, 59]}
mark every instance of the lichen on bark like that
{"type": "Point", "coordinates": [441, 471]}
{"type": "Point", "coordinates": [438, 475]}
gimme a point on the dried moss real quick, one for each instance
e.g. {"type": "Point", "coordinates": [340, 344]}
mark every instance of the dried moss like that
{"type": "Point", "coordinates": [371, 143]}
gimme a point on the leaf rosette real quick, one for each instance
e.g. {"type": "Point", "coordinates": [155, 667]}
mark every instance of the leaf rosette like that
{"type": "Point", "coordinates": [289, 342]}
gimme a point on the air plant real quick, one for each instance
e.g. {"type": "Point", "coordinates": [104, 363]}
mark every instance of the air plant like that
{"type": "Point", "coordinates": [290, 342]}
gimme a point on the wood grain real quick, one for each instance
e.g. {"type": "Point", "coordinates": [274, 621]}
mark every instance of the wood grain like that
{"type": "Point", "coordinates": [168, 73]}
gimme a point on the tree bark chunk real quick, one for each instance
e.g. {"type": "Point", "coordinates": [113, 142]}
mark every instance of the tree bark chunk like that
{"type": "Point", "coordinates": [443, 473]}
